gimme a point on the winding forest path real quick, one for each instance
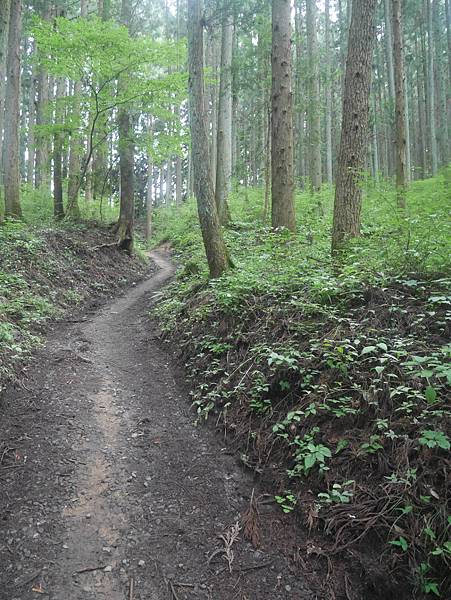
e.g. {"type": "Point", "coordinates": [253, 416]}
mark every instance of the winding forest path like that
{"type": "Point", "coordinates": [107, 489]}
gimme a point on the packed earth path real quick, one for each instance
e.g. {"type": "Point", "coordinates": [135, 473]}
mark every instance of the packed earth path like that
{"type": "Point", "coordinates": [108, 490]}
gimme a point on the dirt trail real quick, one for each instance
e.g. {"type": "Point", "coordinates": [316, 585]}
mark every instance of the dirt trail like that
{"type": "Point", "coordinates": [108, 490]}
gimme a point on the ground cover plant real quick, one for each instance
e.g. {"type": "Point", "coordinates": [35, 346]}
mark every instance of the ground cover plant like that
{"type": "Point", "coordinates": [332, 378]}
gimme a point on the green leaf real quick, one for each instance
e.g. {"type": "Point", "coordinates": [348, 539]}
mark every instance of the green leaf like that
{"type": "Point", "coordinates": [368, 350]}
{"type": "Point", "coordinates": [426, 373]}
{"type": "Point", "coordinates": [401, 543]}
{"type": "Point", "coordinates": [431, 395]}
{"type": "Point", "coordinates": [309, 461]}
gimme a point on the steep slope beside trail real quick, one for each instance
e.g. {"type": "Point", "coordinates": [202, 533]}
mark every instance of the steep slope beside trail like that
{"type": "Point", "coordinates": [109, 491]}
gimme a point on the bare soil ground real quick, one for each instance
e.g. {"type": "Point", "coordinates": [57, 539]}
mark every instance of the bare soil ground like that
{"type": "Point", "coordinates": [109, 491]}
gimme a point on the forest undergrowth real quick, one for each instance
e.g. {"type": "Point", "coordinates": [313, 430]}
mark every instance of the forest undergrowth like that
{"type": "Point", "coordinates": [331, 378]}
{"type": "Point", "coordinates": [46, 271]}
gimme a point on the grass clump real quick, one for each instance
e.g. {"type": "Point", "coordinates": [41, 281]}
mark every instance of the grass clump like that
{"type": "Point", "coordinates": [332, 380]}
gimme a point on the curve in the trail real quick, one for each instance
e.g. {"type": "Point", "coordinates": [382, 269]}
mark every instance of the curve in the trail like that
{"type": "Point", "coordinates": [121, 496]}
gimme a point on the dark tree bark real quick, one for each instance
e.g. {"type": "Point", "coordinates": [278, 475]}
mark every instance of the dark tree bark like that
{"type": "Point", "coordinates": [73, 188]}
{"type": "Point", "coordinates": [42, 166]}
{"type": "Point", "coordinates": [215, 249]}
{"type": "Point", "coordinates": [58, 207]}
{"type": "Point", "coordinates": [12, 114]}
{"type": "Point", "coordinates": [4, 26]}
{"type": "Point", "coordinates": [314, 102]}
{"type": "Point", "coordinates": [125, 223]}
{"type": "Point", "coordinates": [400, 109]}
{"type": "Point", "coordinates": [354, 131]}
{"type": "Point", "coordinates": [283, 213]}
{"type": "Point", "coordinates": [126, 165]}
{"type": "Point", "coordinates": [224, 129]}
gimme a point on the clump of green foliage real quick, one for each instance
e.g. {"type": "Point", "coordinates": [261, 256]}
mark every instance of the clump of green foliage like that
{"type": "Point", "coordinates": [336, 374]}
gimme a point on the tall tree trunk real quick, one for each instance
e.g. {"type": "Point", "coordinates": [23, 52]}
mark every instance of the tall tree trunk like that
{"type": "Point", "coordinates": [283, 213]}
{"type": "Point", "coordinates": [161, 190]}
{"type": "Point", "coordinates": [178, 181]}
{"type": "Point", "coordinates": [100, 154]}
{"type": "Point", "coordinates": [224, 129]}
{"type": "Point", "coordinates": [178, 164]}
{"type": "Point", "coordinates": [31, 143]}
{"type": "Point", "coordinates": [354, 132]}
{"type": "Point", "coordinates": [389, 49]}
{"type": "Point", "coordinates": [215, 249]}
{"type": "Point", "coordinates": [75, 148]}
{"type": "Point", "coordinates": [58, 208]}
{"type": "Point", "coordinates": [374, 142]}
{"type": "Point", "coordinates": [299, 99]}
{"type": "Point", "coordinates": [4, 26]}
{"type": "Point", "coordinates": [42, 166]}
{"type": "Point", "coordinates": [400, 110]}
{"type": "Point", "coordinates": [328, 96]}
{"type": "Point", "coordinates": [169, 182]}
{"type": "Point", "coordinates": [125, 223]}
{"type": "Point", "coordinates": [314, 113]}
{"type": "Point", "coordinates": [149, 197]}
{"type": "Point", "coordinates": [407, 120]}
{"type": "Point", "coordinates": [267, 165]}
{"type": "Point", "coordinates": [149, 200]}
{"type": "Point", "coordinates": [12, 114]}
{"type": "Point", "coordinates": [430, 87]}
{"type": "Point", "coordinates": [212, 99]}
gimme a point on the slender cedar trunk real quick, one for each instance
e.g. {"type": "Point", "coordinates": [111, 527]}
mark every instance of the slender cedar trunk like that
{"type": "Point", "coordinates": [299, 100]}
{"type": "Point", "coordinates": [149, 200]}
{"type": "Point", "coordinates": [31, 143]}
{"type": "Point", "coordinates": [169, 182]}
{"type": "Point", "coordinates": [58, 208]}
{"type": "Point", "coordinates": [314, 113]}
{"type": "Point", "coordinates": [215, 249]}
{"type": "Point", "coordinates": [100, 154]}
{"type": "Point", "coordinates": [42, 167]}
{"type": "Point", "coordinates": [448, 35]}
{"type": "Point", "coordinates": [389, 49]}
{"type": "Point", "coordinates": [328, 97]}
{"type": "Point", "coordinates": [354, 132]}
{"type": "Point", "coordinates": [374, 142]}
{"type": "Point", "coordinates": [267, 165]}
{"type": "Point", "coordinates": [149, 197]}
{"type": "Point", "coordinates": [234, 108]}
{"type": "Point", "coordinates": [178, 181]}
{"type": "Point", "coordinates": [125, 224]}
{"type": "Point", "coordinates": [211, 99]}
{"type": "Point", "coordinates": [400, 110]}
{"type": "Point", "coordinates": [224, 129]}
{"type": "Point", "coordinates": [421, 114]}
{"type": "Point", "coordinates": [4, 25]}
{"type": "Point", "coordinates": [441, 77]}
{"type": "Point", "coordinates": [178, 167]}
{"type": "Point", "coordinates": [283, 212]}
{"type": "Point", "coordinates": [407, 125]}
{"type": "Point", "coordinates": [161, 185]}
{"type": "Point", "coordinates": [73, 209]}
{"type": "Point", "coordinates": [430, 87]}
{"type": "Point", "coordinates": [12, 114]}
{"type": "Point", "coordinates": [74, 167]}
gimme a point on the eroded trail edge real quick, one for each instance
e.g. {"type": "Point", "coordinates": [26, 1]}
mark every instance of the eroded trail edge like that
{"type": "Point", "coordinates": [109, 491]}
